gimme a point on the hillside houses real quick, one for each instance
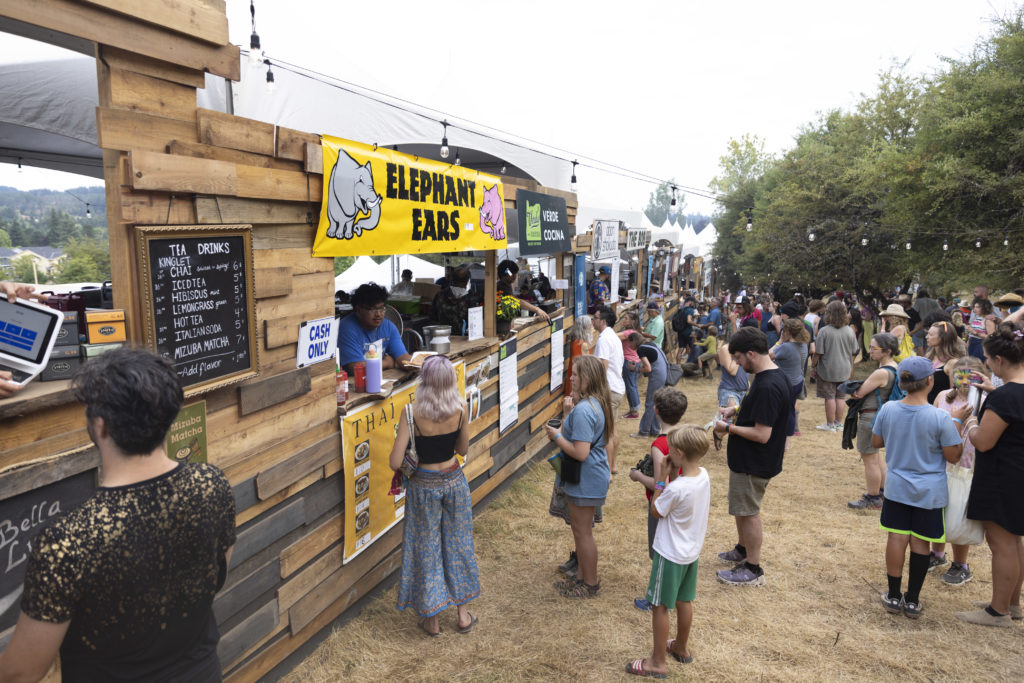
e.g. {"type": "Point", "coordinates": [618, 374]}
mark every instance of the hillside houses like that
{"type": "Point", "coordinates": [45, 258]}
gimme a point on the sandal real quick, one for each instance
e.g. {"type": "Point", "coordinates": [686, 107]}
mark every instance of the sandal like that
{"type": "Point", "coordinates": [676, 656]}
{"type": "Point", "coordinates": [581, 590]}
{"type": "Point", "coordinates": [718, 440]}
{"type": "Point", "coordinates": [637, 668]}
{"type": "Point", "coordinates": [469, 627]}
{"type": "Point", "coordinates": [423, 625]}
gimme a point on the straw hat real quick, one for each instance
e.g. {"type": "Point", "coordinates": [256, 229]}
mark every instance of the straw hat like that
{"type": "Point", "coordinates": [1009, 299]}
{"type": "Point", "coordinates": [895, 310]}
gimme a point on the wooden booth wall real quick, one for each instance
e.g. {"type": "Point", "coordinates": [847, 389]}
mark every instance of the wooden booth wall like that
{"type": "Point", "coordinates": [276, 436]}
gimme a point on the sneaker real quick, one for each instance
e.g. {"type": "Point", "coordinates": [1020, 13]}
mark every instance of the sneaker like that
{"type": "Point", "coordinates": [632, 415]}
{"type": "Point", "coordinates": [824, 428]}
{"type": "Point", "coordinates": [983, 618]}
{"type": "Point", "coordinates": [837, 426]}
{"type": "Point", "coordinates": [957, 575]}
{"type": "Point", "coordinates": [580, 590]}
{"type": "Point", "coordinates": [934, 561]}
{"type": "Point", "coordinates": [866, 502]}
{"type": "Point", "coordinates": [1016, 613]}
{"type": "Point", "coordinates": [741, 575]}
{"type": "Point", "coordinates": [569, 566]}
{"type": "Point", "coordinates": [732, 556]}
{"type": "Point", "coordinates": [912, 610]}
{"type": "Point", "coordinates": [892, 605]}
{"type": "Point", "coordinates": [797, 433]}
{"type": "Point", "coordinates": [638, 435]}
{"type": "Point", "coordinates": [643, 605]}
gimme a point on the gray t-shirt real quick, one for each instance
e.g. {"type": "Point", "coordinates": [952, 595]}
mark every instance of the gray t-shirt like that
{"type": "Point", "coordinates": [836, 347]}
{"type": "Point", "coordinates": [790, 358]}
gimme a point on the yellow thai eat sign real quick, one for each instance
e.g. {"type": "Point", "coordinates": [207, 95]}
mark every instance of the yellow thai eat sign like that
{"type": "Point", "coordinates": [379, 201]}
{"type": "Point", "coordinates": [367, 435]}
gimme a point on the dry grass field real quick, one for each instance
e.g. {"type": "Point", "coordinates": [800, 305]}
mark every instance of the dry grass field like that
{"type": "Point", "coordinates": [818, 617]}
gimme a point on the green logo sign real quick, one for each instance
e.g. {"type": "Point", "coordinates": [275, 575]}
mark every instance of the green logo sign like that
{"type": "Point", "coordinates": [533, 231]}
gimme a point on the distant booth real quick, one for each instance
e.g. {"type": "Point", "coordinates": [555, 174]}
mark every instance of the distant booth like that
{"type": "Point", "coordinates": [221, 231]}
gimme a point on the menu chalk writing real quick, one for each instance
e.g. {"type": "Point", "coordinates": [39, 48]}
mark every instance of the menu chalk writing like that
{"type": "Point", "coordinates": [201, 308]}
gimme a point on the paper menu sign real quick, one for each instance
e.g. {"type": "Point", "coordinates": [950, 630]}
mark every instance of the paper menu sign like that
{"type": "Point", "coordinates": [475, 328]}
{"type": "Point", "coordinates": [557, 351]}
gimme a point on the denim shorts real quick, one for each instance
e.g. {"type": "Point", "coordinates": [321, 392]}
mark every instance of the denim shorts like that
{"type": "Point", "coordinates": [725, 394]}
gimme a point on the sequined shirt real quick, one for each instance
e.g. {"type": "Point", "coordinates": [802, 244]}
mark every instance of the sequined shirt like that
{"type": "Point", "coordinates": [135, 568]}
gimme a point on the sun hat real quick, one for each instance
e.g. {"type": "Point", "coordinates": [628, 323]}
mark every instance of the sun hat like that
{"type": "Point", "coordinates": [1009, 299]}
{"type": "Point", "coordinates": [918, 366]}
{"type": "Point", "coordinates": [895, 310]}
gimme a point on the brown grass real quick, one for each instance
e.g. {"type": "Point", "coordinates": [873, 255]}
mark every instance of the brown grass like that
{"type": "Point", "coordinates": [818, 617]}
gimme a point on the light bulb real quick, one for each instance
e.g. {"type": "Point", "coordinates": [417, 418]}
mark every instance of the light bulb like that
{"type": "Point", "coordinates": [255, 53]}
{"type": "Point", "coordinates": [810, 236]}
{"type": "Point", "coordinates": [88, 211]}
{"type": "Point", "coordinates": [977, 244]}
{"type": "Point", "coordinates": [908, 245]}
{"type": "Point", "coordinates": [863, 241]}
{"type": "Point", "coordinates": [504, 169]}
{"type": "Point", "coordinates": [444, 147]}
{"type": "Point", "coordinates": [458, 159]}
{"type": "Point", "coordinates": [271, 85]}
{"type": "Point", "coordinates": [1006, 241]}
{"type": "Point", "coordinates": [750, 226]}
{"type": "Point", "coordinates": [945, 245]}
{"type": "Point", "coordinates": [572, 183]}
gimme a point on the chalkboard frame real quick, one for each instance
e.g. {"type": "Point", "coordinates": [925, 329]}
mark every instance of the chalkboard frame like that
{"type": "Point", "coordinates": [145, 234]}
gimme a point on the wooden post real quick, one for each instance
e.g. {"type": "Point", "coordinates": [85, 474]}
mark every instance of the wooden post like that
{"type": "Point", "coordinates": [490, 293]}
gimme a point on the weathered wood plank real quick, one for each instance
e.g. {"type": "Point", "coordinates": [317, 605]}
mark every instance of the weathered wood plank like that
{"type": "Point", "coordinates": [271, 282]}
{"type": "Point", "coordinates": [46, 471]}
{"type": "Point", "coordinates": [291, 470]}
{"type": "Point", "coordinates": [314, 158]}
{"type": "Point", "coordinates": [124, 130]}
{"type": "Point", "coordinates": [235, 132]}
{"type": "Point", "coordinates": [192, 19]}
{"type": "Point", "coordinates": [291, 144]}
{"type": "Point", "coordinates": [312, 544]}
{"type": "Point", "coordinates": [271, 391]}
{"type": "Point", "coordinates": [203, 151]}
{"type": "Point", "coordinates": [270, 454]}
{"type": "Point", "coordinates": [285, 236]}
{"type": "Point", "coordinates": [298, 260]}
{"type": "Point", "coordinates": [148, 95]}
{"type": "Point", "coordinates": [236, 641]}
{"type": "Point", "coordinates": [258, 508]}
{"type": "Point", "coordinates": [156, 208]}
{"type": "Point", "coordinates": [309, 578]}
{"type": "Point", "coordinates": [267, 530]}
{"type": "Point", "coordinates": [173, 173]}
{"type": "Point", "coordinates": [255, 211]}
{"type": "Point", "coordinates": [130, 61]}
{"type": "Point", "coordinates": [108, 28]}
{"type": "Point", "coordinates": [242, 590]}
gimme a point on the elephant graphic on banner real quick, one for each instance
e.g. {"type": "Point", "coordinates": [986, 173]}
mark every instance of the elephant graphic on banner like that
{"type": "Point", "coordinates": [350, 194]}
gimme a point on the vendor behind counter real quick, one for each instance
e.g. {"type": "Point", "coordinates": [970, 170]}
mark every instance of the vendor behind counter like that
{"type": "Point", "coordinates": [367, 324]}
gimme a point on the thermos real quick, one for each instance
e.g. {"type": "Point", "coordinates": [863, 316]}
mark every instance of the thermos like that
{"type": "Point", "coordinates": [374, 369]}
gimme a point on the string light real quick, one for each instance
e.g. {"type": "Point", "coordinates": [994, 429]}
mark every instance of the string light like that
{"type": "Point", "coordinates": [674, 195]}
{"type": "Point", "coordinates": [88, 211]}
{"type": "Point", "coordinates": [864, 241]}
{"type": "Point", "coordinates": [444, 141]}
{"type": "Point", "coordinates": [977, 244]}
{"type": "Point", "coordinates": [1006, 241]}
{"type": "Point", "coordinates": [572, 181]}
{"type": "Point", "coordinates": [271, 85]}
{"type": "Point", "coordinates": [810, 235]}
{"type": "Point", "coordinates": [458, 159]}
{"type": "Point", "coordinates": [908, 245]}
{"type": "Point", "coordinates": [750, 222]}
{"type": "Point", "coordinates": [255, 53]}
{"type": "Point", "coordinates": [504, 169]}
{"type": "Point", "coordinates": [19, 164]}
{"type": "Point", "coordinates": [945, 245]}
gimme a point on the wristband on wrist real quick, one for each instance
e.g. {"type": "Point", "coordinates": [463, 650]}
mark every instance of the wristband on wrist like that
{"type": "Point", "coordinates": [728, 428]}
{"type": "Point", "coordinates": [659, 486]}
{"type": "Point", "coordinates": [558, 436]}
{"type": "Point", "coordinates": [958, 420]}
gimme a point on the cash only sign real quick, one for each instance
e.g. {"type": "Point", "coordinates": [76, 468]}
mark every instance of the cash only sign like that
{"type": "Point", "coordinates": [379, 201]}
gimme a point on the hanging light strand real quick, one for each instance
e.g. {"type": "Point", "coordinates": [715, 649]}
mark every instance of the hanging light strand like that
{"type": "Point", "coordinates": [444, 141]}
{"type": "Point", "coordinates": [255, 52]}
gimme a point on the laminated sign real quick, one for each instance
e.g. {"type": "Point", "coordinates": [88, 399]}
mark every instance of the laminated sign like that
{"type": "Point", "coordinates": [543, 226]}
{"type": "Point", "coordinates": [379, 201]}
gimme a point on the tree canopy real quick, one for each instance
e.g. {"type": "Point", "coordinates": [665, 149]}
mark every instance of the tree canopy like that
{"type": "Point", "coordinates": [936, 163]}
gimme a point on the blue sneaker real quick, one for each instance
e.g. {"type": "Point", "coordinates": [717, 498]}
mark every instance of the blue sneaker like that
{"type": "Point", "coordinates": [741, 575]}
{"type": "Point", "coordinates": [642, 604]}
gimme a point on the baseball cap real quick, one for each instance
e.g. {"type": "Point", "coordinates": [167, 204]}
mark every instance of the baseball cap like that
{"type": "Point", "coordinates": [791, 309]}
{"type": "Point", "coordinates": [918, 366]}
{"type": "Point", "coordinates": [605, 269]}
{"type": "Point", "coordinates": [653, 306]}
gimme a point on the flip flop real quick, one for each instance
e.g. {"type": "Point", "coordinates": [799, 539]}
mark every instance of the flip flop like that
{"type": "Point", "coordinates": [423, 625]}
{"type": "Point", "coordinates": [718, 440]}
{"type": "Point", "coordinates": [469, 627]}
{"type": "Point", "coordinates": [636, 667]}
{"type": "Point", "coordinates": [678, 657]}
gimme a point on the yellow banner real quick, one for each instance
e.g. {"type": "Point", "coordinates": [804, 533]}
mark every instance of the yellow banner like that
{"type": "Point", "coordinates": [379, 201]}
{"type": "Point", "coordinates": [367, 436]}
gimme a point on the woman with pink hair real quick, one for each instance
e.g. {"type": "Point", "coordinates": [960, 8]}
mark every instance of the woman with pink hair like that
{"type": "Point", "coordinates": [438, 562]}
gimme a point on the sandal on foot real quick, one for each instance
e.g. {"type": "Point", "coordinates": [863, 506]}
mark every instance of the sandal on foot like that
{"type": "Point", "coordinates": [469, 627]}
{"type": "Point", "coordinates": [580, 590]}
{"type": "Point", "coordinates": [676, 656]}
{"type": "Point", "coordinates": [423, 625]}
{"type": "Point", "coordinates": [637, 668]}
{"type": "Point", "coordinates": [718, 440]}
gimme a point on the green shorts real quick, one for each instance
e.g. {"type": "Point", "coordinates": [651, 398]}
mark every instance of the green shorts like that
{"type": "Point", "coordinates": [671, 583]}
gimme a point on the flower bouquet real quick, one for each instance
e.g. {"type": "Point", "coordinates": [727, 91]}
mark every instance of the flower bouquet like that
{"type": "Point", "coordinates": [508, 308]}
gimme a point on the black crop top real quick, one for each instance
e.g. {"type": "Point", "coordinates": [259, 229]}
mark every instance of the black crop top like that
{"type": "Point", "coordinates": [439, 448]}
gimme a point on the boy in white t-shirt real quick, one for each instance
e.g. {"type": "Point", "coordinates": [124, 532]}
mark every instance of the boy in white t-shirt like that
{"type": "Point", "coordinates": [681, 503]}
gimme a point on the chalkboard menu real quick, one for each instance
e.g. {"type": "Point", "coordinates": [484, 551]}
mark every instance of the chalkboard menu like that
{"type": "Point", "coordinates": [199, 304]}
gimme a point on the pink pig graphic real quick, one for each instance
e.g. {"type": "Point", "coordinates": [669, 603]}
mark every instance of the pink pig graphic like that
{"type": "Point", "coordinates": [492, 218]}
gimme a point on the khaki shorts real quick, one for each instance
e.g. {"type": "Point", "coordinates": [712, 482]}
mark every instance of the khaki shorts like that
{"type": "Point", "coordinates": [827, 389]}
{"type": "Point", "coordinates": [745, 494]}
{"type": "Point", "coordinates": [864, 446]}
{"type": "Point", "coordinates": [616, 402]}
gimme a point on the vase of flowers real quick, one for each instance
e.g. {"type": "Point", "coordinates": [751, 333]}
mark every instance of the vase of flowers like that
{"type": "Point", "coordinates": [507, 311]}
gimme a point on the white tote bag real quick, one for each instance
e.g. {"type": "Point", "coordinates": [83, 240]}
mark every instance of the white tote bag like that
{"type": "Point", "coordinates": [959, 529]}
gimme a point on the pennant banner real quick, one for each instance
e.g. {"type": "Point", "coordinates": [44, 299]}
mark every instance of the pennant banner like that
{"type": "Point", "coordinates": [379, 201]}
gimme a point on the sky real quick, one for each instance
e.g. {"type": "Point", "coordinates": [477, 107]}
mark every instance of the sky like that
{"type": "Point", "coordinates": [654, 86]}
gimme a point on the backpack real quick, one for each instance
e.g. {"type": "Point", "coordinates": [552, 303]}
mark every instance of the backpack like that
{"type": "Point", "coordinates": [679, 323]}
{"type": "Point", "coordinates": [895, 394]}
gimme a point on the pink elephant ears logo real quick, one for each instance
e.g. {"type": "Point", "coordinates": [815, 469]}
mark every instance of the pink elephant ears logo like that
{"type": "Point", "coordinates": [492, 218]}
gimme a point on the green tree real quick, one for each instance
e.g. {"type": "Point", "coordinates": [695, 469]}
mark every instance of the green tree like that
{"type": "Point", "coordinates": [342, 263]}
{"type": "Point", "coordinates": [659, 204]}
{"type": "Point", "coordinates": [84, 261]}
{"type": "Point", "coordinates": [5, 239]}
{"type": "Point", "coordinates": [22, 269]}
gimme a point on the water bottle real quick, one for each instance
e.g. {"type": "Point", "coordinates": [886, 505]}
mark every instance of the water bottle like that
{"type": "Point", "coordinates": [374, 369]}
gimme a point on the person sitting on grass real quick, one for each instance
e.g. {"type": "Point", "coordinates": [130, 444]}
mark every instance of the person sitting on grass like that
{"type": "Point", "coordinates": [681, 502]}
{"type": "Point", "coordinates": [710, 346]}
{"type": "Point", "coordinates": [669, 406]}
{"type": "Point", "coordinates": [917, 438]}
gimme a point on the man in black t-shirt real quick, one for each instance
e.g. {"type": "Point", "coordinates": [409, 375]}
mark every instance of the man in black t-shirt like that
{"type": "Point", "coordinates": [123, 585]}
{"type": "Point", "coordinates": [757, 443]}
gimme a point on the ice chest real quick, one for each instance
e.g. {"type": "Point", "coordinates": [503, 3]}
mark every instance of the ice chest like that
{"type": "Point", "coordinates": [68, 334]}
{"type": "Point", "coordinates": [104, 326]}
{"type": "Point", "coordinates": [64, 362]}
